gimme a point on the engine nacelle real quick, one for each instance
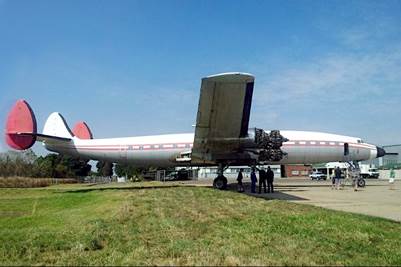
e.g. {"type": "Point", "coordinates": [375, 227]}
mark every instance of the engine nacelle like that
{"type": "Point", "coordinates": [269, 145]}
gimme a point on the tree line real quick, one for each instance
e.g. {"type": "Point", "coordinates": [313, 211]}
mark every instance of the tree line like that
{"type": "Point", "coordinates": [27, 164]}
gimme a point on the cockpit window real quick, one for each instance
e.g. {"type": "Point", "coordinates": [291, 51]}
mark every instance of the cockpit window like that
{"type": "Point", "coordinates": [360, 141]}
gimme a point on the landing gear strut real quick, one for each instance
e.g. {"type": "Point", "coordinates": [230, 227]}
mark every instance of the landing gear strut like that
{"type": "Point", "coordinates": [220, 182]}
{"type": "Point", "coordinates": [357, 179]}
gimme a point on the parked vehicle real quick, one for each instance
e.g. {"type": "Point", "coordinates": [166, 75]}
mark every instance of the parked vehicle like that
{"type": "Point", "coordinates": [368, 172]}
{"type": "Point", "coordinates": [318, 176]}
{"type": "Point", "coordinates": [177, 175]}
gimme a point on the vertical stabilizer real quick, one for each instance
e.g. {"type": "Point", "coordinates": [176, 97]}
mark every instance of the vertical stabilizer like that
{"type": "Point", "coordinates": [20, 132]}
{"type": "Point", "coordinates": [82, 131]}
{"type": "Point", "coordinates": [56, 126]}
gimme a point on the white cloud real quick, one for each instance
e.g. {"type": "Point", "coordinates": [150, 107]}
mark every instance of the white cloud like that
{"type": "Point", "coordinates": [355, 94]}
{"type": "Point", "coordinates": [339, 77]}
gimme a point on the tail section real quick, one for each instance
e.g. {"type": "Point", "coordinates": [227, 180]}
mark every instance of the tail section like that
{"type": "Point", "coordinates": [21, 129]}
{"type": "Point", "coordinates": [56, 126]}
{"type": "Point", "coordinates": [20, 132]}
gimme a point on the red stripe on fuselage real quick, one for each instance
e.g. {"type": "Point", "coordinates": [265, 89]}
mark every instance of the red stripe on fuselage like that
{"type": "Point", "coordinates": [178, 146]}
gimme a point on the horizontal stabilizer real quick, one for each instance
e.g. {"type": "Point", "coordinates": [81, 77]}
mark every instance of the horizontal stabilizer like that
{"type": "Point", "coordinates": [40, 137]}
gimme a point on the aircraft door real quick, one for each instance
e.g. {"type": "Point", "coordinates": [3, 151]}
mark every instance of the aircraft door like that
{"type": "Point", "coordinates": [346, 149]}
{"type": "Point", "coordinates": [347, 152]}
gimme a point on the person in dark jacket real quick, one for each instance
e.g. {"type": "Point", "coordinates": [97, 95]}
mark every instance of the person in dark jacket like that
{"type": "Point", "coordinates": [239, 180]}
{"type": "Point", "coordinates": [253, 181]}
{"type": "Point", "coordinates": [262, 180]}
{"type": "Point", "coordinates": [270, 179]}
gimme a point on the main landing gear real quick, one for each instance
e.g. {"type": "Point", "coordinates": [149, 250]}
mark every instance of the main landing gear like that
{"type": "Point", "coordinates": [220, 182]}
{"type": "Point", "coordinates": [266, 147]}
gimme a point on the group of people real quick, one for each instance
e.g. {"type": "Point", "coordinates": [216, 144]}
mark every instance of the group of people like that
{"type": "Point", "coordinates": [265, 177]}
{"type": "Point", "coordinates": [336, 180]}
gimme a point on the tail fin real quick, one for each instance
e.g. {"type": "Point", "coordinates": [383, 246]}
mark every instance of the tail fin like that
{"type": "Point", "coordinates": [20, 132]}
{"type": "Point", "coordinates": [56, 126]}
{"type": "Point", "coordinates": [21, 129]}
{"type": "Point", "coordinates": [82, 131]}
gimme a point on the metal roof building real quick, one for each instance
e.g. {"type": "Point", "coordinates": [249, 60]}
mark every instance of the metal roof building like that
{"type": "Point", "coordinates": [392, 159]}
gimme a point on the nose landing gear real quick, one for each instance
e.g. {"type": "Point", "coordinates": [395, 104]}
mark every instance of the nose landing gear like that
{"type": "Point", "coordinates": [355, 174]}
{"type": "Point", "coordinates": [360, 182]}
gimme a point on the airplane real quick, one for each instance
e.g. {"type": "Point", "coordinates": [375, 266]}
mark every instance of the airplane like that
{"type": "Point", "coordinates": [222, 137]}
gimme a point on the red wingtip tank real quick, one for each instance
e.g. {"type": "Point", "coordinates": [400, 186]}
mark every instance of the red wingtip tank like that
{"type": "Point", "coordinates": [20, 119]}
{"type": "Point", "coordinates": [82, 131]}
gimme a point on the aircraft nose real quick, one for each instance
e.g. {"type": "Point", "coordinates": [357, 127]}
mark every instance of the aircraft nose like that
{"type": "Point", "coordinates": [380, 152]}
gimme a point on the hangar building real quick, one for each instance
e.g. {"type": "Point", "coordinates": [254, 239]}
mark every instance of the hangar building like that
{"type": "Point", "coordinates": [391, 159]}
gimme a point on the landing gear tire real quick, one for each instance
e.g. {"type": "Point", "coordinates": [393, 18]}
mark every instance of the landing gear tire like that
{"type": "Point", "coordinates": [361, 183]}
{"type": "Point", "coordinates": [220, 183]}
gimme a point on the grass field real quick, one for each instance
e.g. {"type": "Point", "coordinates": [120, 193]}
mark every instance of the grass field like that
{"type": "Point", "coordinates": [82, 225]}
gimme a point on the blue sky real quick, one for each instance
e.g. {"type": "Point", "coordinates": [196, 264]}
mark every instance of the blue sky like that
{"type": "Point", "coordinates": [134, 67]}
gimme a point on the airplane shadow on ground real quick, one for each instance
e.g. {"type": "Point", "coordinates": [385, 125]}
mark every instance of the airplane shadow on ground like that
{"type": "Point", "coordinates": [89, 188]}
{"type": "Point", "coordinates": [278, 192]}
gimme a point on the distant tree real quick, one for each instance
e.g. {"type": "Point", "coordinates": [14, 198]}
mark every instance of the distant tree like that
{"type": "Point", "coordinates": [99, 166]}
{"type": "Point", "coordinates": [104, 168]}
{"type": "Point", "coordinates": [45, 166]}
{"type": "Point", "coordinates": [17, 163]}
{"type": "Point", "coordinates": [126, 170]}
{"type": "Point", "coordinates": [75, 167]}
{"type": "Point", "coordinates": [29, 156]}
{"type": "Point", "coordinates": [108, 169]}
{"type": "Point", "coordinates": [81, 168]}
{"type": "Point", "coordinates": [26, 163]}
{"type": "Point", "coordinates": [59, 166]}
{"type": "Point", "coordinates": [61, 171]}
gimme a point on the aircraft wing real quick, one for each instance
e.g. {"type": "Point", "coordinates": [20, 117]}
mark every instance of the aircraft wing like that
{"type": "Point", "coordinates": [223, 116]}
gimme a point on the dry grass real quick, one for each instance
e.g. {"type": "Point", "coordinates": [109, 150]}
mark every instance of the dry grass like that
{"type": "Point", "coordinates": [26, 182]}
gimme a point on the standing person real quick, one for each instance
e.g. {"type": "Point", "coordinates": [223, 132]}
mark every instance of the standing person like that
{"type": "Point", "coordinates": [253, 181]}
{"type": "Point", "coordinates": [262, 180]}
{"type": "Point", "coordinates": [270, 179]}
{"type": "Point", "coordinates": [392, 178]}
{"type": "Point", "coordinates": [337, 177]}
{"type": "Point", "coordinates": [239, 180]}
{"type": "Point", "coordinates": [333, 179]}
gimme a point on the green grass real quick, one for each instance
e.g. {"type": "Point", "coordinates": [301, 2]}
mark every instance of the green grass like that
{"type": "Point", "coordinates": [81, 225]}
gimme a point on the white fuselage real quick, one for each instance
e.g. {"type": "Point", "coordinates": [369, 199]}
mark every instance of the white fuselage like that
{"type": "Point", "coordinates": [163, 150]}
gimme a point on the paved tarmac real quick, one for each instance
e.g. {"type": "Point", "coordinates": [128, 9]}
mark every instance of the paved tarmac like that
{"type": "Point", "coordinates": [376, 198]}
